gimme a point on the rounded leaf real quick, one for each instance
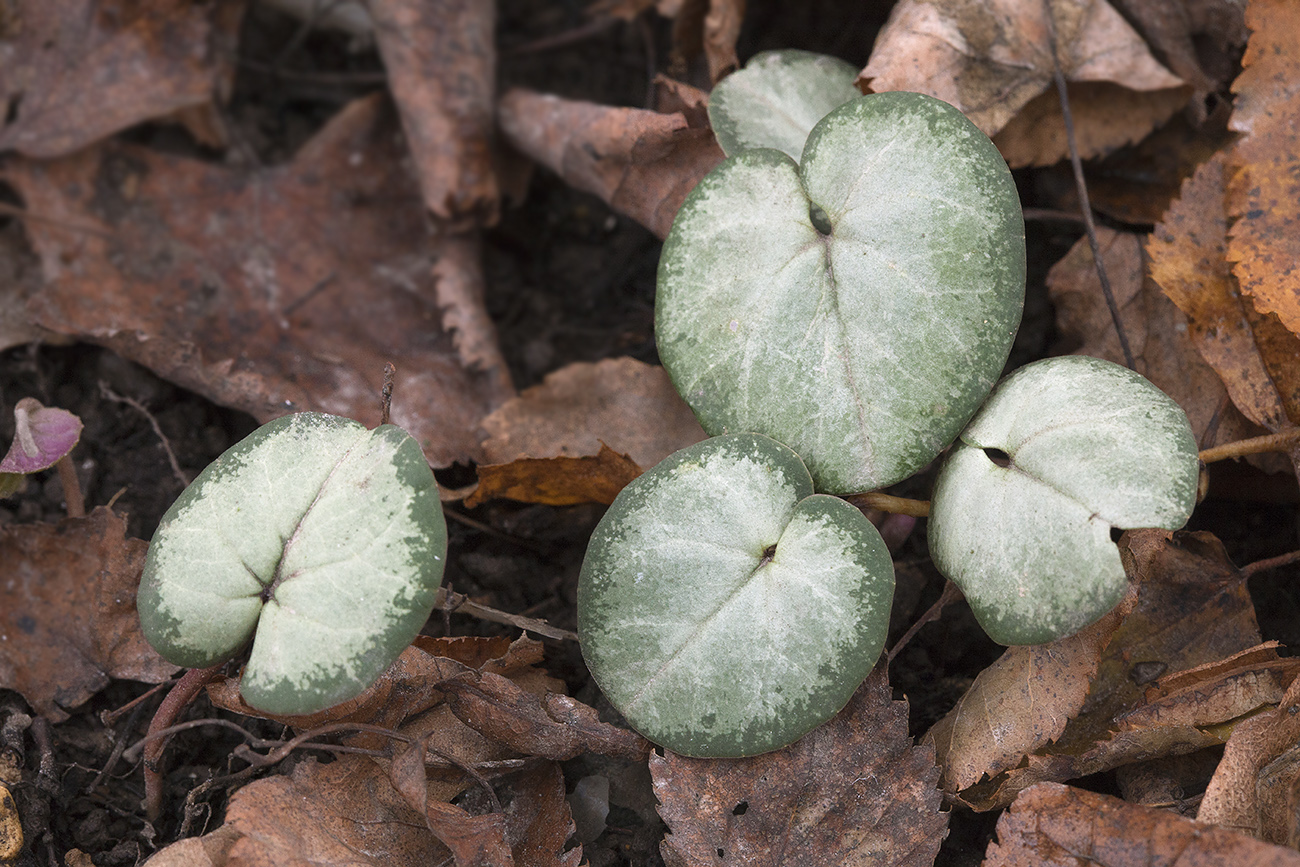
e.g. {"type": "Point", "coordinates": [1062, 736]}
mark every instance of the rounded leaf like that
{"type": "Point", "coordinates": [857, 307]}
{"type": "Point", "coordinates": [42, 435]}
{"type": "Point", "coordinates": [776, 100]}
{"type": "Point", "coordinates": [1064, 450]}
{"type": "Point", "coordinates": [724, 608]}
{"type": "Point", "coordinates": [320, 540]}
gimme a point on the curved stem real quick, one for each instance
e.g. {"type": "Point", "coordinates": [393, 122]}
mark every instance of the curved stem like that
{"type": "Point", "coordinates": [890, 503]}
{"type": "Point", "coordinates": [176, 701]}
{"type": "Point", "coordinates": [1278, 442]}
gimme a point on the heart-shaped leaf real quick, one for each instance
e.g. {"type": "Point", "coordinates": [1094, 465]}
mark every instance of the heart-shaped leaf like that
{"type": "Point", "coordinates": [1063, 451]}
{"type": "Point", "coordinates": [776, 100]}
{"type": "Point", "coordinates": [320, 540]}
{"type": "Point", "coordinates": [724, 608]}
{"type": "Point", "coordinates": [857, 307]}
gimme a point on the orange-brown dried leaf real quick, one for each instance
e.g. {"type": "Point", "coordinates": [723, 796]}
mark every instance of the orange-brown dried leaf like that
{"type": "Point", "coordinates": [1217, 692]}
{"type": "Point", "coordinates": [68, 623]}
{"type": "Point", "coordinates": [76, 72]}
{"type": "Point", "coordinates": [1018, 704]}
{"type": "Point", "coordinates": [1051, 825]}
{"type": "Point", "coordinates": [271, 290]}
{"type": "Point", "coordinates": [1233, 795]}
{"type": "Point", "coordinates": [854, 791]}
{"type": "Point", "coordinates": [1253, 354]}
{"type": "Point", "coordinates": [990, 59]}
{"type": "Point", "coordinates": [441, 62]}
{"type": "Point", "coordinates": [550, 725]}
{"type": "Point", "coordinates": [622, 403]}
{"type": "Point", "coordinates": [343, 813]}
{"type": "Point", "coordinates": [1192, 608]}
{"type": "Point", "coordinates": [1106, 116]}
{"type": "Point", "coordinates": [642, 163]}
{"type": "Point", "coordinates": [1157, 331]}
{"type": "Point", "coordinates": [539, 810]}
{"type": "Point", "coordinates": [556, 481]}
{"type": "Point", "coordinates": [1263, 197]}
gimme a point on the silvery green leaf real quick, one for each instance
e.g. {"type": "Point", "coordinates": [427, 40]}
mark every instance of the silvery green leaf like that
{"type": "Point", "coordinates": [1089, 446]}
{"type": "Point", "coordinates": [724, 608]}
{"type": "Point", "coordinates": [317, 539]}
{"type": "Point", "coordinates": [776, 100]}
{"type": "Point", "coordinates": [857, 307]}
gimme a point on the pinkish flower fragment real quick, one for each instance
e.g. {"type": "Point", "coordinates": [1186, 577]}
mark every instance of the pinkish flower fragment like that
{"type": "Point", "coordinates": [44, 434]}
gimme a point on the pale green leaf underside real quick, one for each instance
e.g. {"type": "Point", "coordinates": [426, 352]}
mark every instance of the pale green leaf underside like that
{"type": "Point", "coordinates": [338, 528]}
{"type": "Point", "coordinates": [1092, 446]}
{"type": "Point", "coordinates": [705, 647]}
{"type": "Point", "coordinates": [865, 350]}
{"type": "Point", "coordinates": [776, 100]}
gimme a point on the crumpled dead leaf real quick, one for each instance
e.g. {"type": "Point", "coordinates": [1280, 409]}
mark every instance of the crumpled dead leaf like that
{"type": "Point", "coordinates": [273, 291]}
{"type": "Point", "coordinates": [854, 791]}
{"type": "Point", "coordinates": [1263, 196]}
{"type": "Point", "coordinates": [1157, 331]}
{"type": "Point", "coordinates": [441, 63]}
{"type": "Point", "coordinates": [1051, 825]}
{"type": "Point", "coordinates": [1020, 703]}
{"type": "Point", "coordinates": [1192, 608]}
{"type": "Point", "coordinates": [622, 403]}
{"type": "Point", "coordinates": [75, 72]}
{"type": "Point", "coordinates": [1234, 798]}
{"type": "Point", "coordinates": [993, 59]}
{"type": "Point", "coordinates": [1253, 353]}
{"type": "Point", "coordinates": [643, 163]}
{"type": "Point", "coordinates": [557, 481]}
{"type": "Point", "coordinates": [68, 623]}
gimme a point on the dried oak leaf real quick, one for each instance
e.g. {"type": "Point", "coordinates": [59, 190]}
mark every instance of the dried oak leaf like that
{"type": "Point", "coordinates": [441, 62]}
{"type": "Point", "coordinates": [622, 403]}
{"type": "Point", "coordinates": [556, 481]}
{"type": "Point", "coordinates": [1192, 608]}
{"type": "Point", "coordinates": [1051, 825]}
{"type": "Point", "coordinates": [67, 611]}
{"type": "Point", "coordinates": [993, 59]}
{"type": "Point", "coordinates": [642, 163]}
{"type": "Point", "coordinates": [271, 290]}
{"type": "Point", "coordinates": [854, 791]}
{"type": "Point", "coordinates": [1263, 197]}
{"type": "Point", "coordinates": [75, 72]}
{"type": "Point", "coordinates": [1251, 791]}
{"type": "Point", "coordinates": [1020, 703]}
{"type": "Point", "coordinates": [1158, 332]}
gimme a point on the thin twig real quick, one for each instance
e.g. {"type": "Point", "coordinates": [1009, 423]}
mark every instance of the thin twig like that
{"type": "Point", "coordinates": [890, 503]}
{"type": "Point", "coordinates": [446, 601]}
{"type": "Point", "coordinates": [109, 394]}
{"type": "Point", "coordinates": [1077, 165]}
{"type": "Point", "coordinates": [950, 594]}
{"type": "Point", "coordinates": [386, 393]}
{"type": "Point", "coordinates": [1277, 442]}
{"type": "Point", "coordinates": [1271, 563]}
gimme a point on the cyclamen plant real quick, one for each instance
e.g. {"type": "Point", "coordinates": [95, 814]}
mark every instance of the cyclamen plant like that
{"type": "Point", "coordinates": [836, 315]}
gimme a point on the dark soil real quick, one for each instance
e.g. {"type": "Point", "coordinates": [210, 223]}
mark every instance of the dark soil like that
{"type": "Point", "coordinates": [569, 280]}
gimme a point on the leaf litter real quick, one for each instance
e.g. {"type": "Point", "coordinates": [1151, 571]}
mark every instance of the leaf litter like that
{"type": "Point", "coordinates": [256, 282]}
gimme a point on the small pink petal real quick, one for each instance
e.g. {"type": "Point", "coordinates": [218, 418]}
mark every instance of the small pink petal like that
{"type": "Point", "coordinates": [44, 434]}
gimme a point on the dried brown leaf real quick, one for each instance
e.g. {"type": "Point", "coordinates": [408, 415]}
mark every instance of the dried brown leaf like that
{"type": "Point", "coordinates": [343, 813]}
{"type": "Point", "coordinates": [76, 72]}
{"type": "Point", "coordinates": [441, 63]}
{"type": "Point", "coordinates": [458, 280]}
{"type": "Point", "coordinates": [1051, 825]}
{"type": "Point", "coordinates": [622, 403]}
{"type": "Point", "coordinates": [271, 290]}
{"type": "Point", "coordinates": [1253, 354]}
{"type": "Point", "coordinates": [67, 611]}
{"type": "Point", "coordinates": [990, 59]}
{"type": "Point", "coordinates": [1018, 704]}
{"type": "Point", "coordinates": [642, 163]}
{"type": "Point", "coordinates": [1233, 797]}
{"type": "Point", "coordinates": [556, 481]}
{"type": "Point", "coordinates": [1192, 608]}
{"type": "Point", "coordinates": [1157, 331]}
{"type": "Point", "coordinates": [540, 821]}
{"type": "Point", "coordinates": [854, 791]}
{"type": "Point", "coordinates": [1263, 198]}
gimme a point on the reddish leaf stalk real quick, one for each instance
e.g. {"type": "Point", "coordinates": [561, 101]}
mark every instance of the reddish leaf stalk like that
{"type": "Point", "coordinates": [176, 701]}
